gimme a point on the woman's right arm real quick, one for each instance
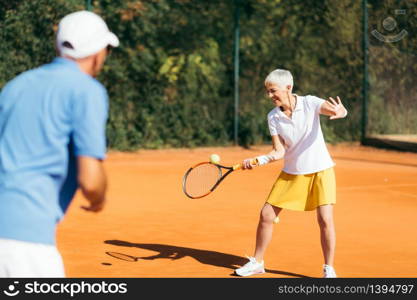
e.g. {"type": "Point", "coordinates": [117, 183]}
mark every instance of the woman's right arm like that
{"type": "Point", "coordinates": [278, 152]}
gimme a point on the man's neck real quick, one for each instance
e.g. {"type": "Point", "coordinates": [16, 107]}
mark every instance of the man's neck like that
{"type": "Point", "coordinates": [85, 64]}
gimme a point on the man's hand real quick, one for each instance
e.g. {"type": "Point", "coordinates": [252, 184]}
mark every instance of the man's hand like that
{"type": "Point", "coordinates": [94, 207]}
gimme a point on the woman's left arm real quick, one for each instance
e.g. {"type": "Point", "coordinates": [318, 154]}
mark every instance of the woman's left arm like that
{"type": "Point", "coordinates": [333, 108]}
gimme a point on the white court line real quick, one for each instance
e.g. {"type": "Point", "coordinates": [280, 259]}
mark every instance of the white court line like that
{"type": "Point", "coordinates": [404, 194]}
{"type": "Point", "coordinates": [361, 187]}
{"type": "Point", "coordinates": [383, 186]}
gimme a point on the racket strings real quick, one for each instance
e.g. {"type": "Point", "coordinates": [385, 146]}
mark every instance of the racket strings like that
{"type": "Point", "coordinates": [201, 179]}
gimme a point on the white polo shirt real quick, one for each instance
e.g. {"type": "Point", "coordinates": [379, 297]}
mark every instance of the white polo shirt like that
{"type": "Point", "coordinates": [305, 149]}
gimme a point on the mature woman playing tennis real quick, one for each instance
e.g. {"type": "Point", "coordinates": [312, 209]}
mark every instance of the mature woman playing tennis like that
{"type": "Point", "coordinates": [307, 181]}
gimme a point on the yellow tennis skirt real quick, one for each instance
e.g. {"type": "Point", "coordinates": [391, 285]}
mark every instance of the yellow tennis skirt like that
{"type": "Point", "coordinates": [303, 192]}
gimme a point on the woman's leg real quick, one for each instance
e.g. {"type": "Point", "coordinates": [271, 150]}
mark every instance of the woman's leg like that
{"type": "Point", "coordinates": [327, 232]}
{"type": "Point", "coordinates": [265, 229]}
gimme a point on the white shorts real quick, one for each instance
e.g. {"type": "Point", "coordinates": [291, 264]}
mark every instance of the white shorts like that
{"type": "Point", "coordinates": [25, 259]}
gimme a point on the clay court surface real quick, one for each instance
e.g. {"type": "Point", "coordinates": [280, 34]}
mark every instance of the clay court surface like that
{"type": "Point", "coordinates": [168, 235]}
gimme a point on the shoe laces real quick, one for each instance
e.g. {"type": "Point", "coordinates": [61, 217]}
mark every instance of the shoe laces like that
{"type": "Point", "coordinates": [252, 260]}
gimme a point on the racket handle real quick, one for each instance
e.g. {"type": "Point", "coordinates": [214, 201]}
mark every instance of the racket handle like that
{"type": "Point", "coordinates": [239, 166]}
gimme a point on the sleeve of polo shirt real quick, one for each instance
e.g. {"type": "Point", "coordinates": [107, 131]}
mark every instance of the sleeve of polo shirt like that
{"type": "Point", "coordinates": [314, 103]}
{"type": "Point", "coordinates": [272, 125]}
{"type": "Point", "coordinates": [90, 117]}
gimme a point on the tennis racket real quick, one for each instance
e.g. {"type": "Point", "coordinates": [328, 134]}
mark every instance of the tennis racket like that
{"type": "Point", "coordinates": [203, 178]}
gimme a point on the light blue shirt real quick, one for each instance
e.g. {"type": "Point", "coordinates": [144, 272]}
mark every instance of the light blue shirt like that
{"type": "Point", "coordinates": [48, 116]}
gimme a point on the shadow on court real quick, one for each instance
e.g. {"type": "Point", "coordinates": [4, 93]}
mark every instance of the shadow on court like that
{"type": "Point", "coordinates": [206, 257]}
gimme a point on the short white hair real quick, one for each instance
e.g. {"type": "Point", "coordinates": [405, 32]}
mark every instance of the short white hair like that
{"type": "Point", "coordinates": [280, 77]}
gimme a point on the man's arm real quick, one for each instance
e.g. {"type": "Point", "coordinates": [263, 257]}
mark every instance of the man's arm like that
{"type": "Point", "coordinates": [92, 181]}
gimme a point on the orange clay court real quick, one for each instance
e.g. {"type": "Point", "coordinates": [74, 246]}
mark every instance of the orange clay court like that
{"type": "Point", "coordinates": [165, 234]}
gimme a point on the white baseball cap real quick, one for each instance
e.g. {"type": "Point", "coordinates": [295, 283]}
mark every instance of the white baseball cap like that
{"type": "Point", "coordinates": [83, 33]}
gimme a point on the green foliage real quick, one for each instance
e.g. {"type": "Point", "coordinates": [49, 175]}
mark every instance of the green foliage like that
{"type": "Point", "coordinates": [27, 33]}
{"type": "Point", "coordinates": [171, 80]}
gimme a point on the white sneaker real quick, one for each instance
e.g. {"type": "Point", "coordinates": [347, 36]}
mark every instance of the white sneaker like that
{"type": "Point", "coordinates": [251, 268]}
{"type": "Point", "coordinates": [329, 272]}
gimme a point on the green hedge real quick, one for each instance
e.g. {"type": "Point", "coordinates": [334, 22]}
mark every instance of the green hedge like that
{"type": "Point", "coordinates": [171, 80]}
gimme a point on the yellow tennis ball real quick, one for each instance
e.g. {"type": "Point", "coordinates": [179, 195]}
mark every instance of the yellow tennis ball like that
{"type": "Point", "coordinates": [276, 220]}
{"type": "Point", "coordinates": [214, 158]}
